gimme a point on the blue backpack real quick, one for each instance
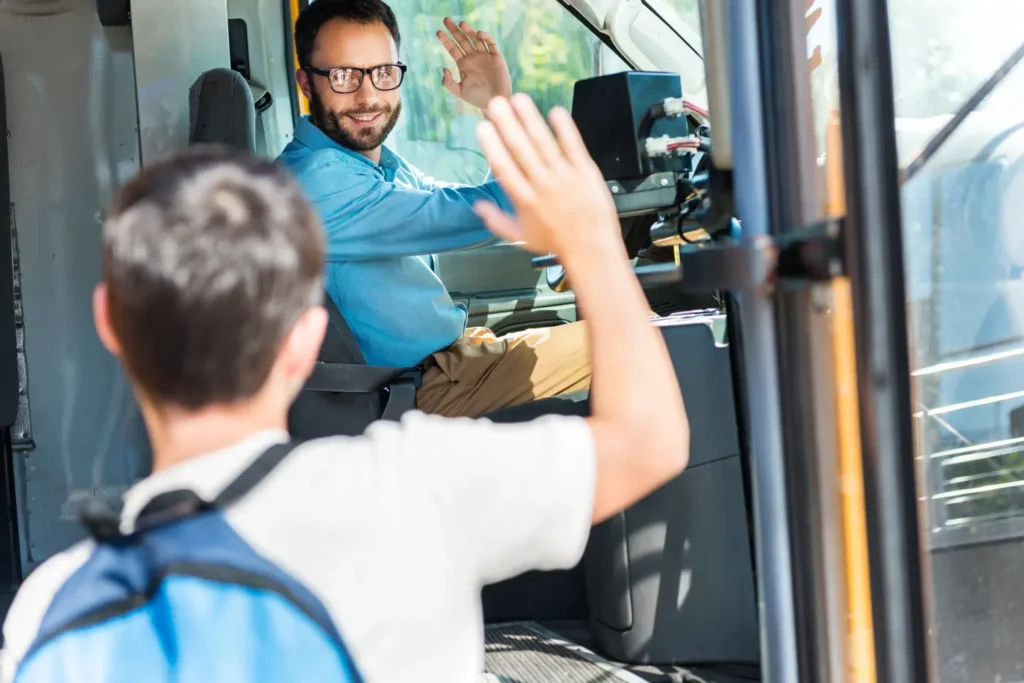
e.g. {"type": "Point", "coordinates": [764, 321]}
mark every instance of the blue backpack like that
{"type": "Point", "coordinates": [184, 598]}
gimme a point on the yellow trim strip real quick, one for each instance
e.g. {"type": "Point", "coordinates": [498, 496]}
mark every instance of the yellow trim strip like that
{"type": "Point", "coordinates": [303, 102]}
{"type": "Point", "coordinates": [861, 643]}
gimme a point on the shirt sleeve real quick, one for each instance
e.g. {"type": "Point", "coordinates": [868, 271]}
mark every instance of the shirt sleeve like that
{"type": "Point", "coordinates": [513, 497]}
{"type": "Point", "coordinates": [367, 218]}
{"type": "Point", "coordinates": [490, 182]}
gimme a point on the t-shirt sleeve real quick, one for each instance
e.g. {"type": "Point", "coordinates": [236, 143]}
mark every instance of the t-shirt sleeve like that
{"type": "Point", "coordinates": [514, 497]}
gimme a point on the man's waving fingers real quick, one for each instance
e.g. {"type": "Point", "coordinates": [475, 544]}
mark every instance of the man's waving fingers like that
{"type": "Point", "coordinates": [472, 35]}
{"type": "Point", "coordinates": [453, 48]}
{"type": "Point", "coordinates": [459, 35]}
{"type": "Point", "coordinates": [488, 42]}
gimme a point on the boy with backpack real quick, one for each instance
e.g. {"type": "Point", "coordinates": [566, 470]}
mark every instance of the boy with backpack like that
{"type": "Point", "coordinates": [244, 556]}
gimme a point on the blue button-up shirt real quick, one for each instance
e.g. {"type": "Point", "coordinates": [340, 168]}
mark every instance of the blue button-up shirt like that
{"type": "Point", "coordinates": [380, 221]}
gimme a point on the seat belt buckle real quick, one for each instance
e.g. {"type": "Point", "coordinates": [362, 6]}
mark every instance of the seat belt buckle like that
{"type": "Point", "coordinates": [413, 376]}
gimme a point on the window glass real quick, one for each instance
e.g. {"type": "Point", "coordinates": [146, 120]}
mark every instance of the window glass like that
{"type": "Point", "coordinates": [964, 261]}
{"type": "Point", "coordinates": [547, 50]}
{"type": "Point", "coordinates": [964, 270]}
{"type": "Point", "coordinates": [688, 11]}
{"type": "Point", "coordinates": [944, 49]}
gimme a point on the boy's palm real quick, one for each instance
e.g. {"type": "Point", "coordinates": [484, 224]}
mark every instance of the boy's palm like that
{"type": "Point", "coordinates": [558, 192]}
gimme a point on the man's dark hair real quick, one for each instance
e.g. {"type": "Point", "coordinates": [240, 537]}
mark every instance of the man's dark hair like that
{"type": "Point", "coordinates": [209, 259]}
{"type": "Point", "coordinates": [318, 13]}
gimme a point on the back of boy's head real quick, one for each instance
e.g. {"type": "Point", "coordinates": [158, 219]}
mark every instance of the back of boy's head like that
{"type": "Point", "coordinates": [209, 259]}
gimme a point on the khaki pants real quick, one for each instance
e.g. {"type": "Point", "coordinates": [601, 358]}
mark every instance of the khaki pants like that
{"type": "Point", "coordinates": [481, 373]}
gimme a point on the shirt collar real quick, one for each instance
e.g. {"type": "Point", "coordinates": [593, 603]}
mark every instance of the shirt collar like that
{"type": "Point", "coordinates": [206, 474]}
{"type": "Point", "coordinates": [308, 134]}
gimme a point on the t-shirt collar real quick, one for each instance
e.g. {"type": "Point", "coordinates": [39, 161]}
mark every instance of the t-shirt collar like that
{"type": "Point", "coordinates": [205, 474]}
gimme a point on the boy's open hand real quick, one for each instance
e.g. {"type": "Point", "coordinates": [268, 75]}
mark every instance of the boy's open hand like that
{"type": "Point", "coordinates": [561, 199]}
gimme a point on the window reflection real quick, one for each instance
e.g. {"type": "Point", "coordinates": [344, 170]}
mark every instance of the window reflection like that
{"type": "Point", "coordinates": [964, 265]}
{"type": "Point", "coordinates": [964, 252]}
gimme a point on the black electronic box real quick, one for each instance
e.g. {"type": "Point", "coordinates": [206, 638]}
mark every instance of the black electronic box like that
{"type": "Point", "coordinates": [612, 114]}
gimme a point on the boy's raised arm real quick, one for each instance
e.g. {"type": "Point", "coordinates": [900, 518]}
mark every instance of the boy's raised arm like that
{"type": "Point", "coordinates": [563, 205]}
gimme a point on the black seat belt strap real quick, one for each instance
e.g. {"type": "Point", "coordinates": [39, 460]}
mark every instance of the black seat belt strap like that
{"type": "Point", "coordinates": [349, 378]}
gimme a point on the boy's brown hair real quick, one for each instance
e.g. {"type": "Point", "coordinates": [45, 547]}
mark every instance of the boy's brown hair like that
{"type": "Point", "coordinates": [209, 258]}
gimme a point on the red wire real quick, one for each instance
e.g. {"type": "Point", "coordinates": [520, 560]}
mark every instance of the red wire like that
{"type": "Point", "coordinates": [699, 111]}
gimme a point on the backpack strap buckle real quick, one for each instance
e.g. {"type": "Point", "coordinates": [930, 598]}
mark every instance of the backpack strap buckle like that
{"type": "Point", "coordinates": [102, 523]}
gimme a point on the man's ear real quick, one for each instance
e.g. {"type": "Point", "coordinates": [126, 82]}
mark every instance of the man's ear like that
{"type": "Point", "coordinates": [101, 318]}
{"type": "Point", "coordinates": [302, 78]}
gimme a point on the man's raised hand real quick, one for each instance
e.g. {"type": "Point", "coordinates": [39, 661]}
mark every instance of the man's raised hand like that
{"type": "Point", "coordinates": [561, 199]}
{"type": "Point", "coordinates": [483, 73]}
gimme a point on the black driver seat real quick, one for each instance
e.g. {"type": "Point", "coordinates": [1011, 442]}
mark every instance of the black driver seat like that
{"type": "Point", "coordinates": [344, 394]}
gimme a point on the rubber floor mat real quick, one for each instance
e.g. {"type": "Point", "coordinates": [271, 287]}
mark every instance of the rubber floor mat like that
{"type": "Point", "coordinates": [528, 653]}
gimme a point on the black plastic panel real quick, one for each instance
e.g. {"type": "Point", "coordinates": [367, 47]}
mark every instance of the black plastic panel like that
{"type": "Point", "coordinates": [10, 551]}
{"type": "Point", "coordinates": [8, 339]}
{"type": "Point", "coordinates": [238, 46]}
{"type": "Point", "coordinates": [607, 562]}
{"type": "Point", "coordinates": [705, 377]}
{"type": "Point", "coordinates": [688, 576]}
{"type": "Point", "coordinates": [114, 12]}
{"type": "Point", "coordinates": [671, 580]}
{"type": "Point", "coordinates": [611, 112]}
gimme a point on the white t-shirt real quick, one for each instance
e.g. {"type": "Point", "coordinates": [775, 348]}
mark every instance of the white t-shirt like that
{"type": "Point", "coordinates": [395, 531]}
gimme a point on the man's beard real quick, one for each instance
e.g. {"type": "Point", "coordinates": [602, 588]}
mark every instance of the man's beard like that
{"type": "Point", "coordinates": [358, 140]}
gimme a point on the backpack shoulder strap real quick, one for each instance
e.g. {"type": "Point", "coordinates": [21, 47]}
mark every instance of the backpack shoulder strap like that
{"type": "Point", "coordinates": [103, 524]}
{"type": "Point", "coordinates": [252, 475]}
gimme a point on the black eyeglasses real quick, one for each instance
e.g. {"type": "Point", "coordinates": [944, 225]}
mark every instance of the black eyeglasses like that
{"type": "Point", "coordinates": [348, 79]}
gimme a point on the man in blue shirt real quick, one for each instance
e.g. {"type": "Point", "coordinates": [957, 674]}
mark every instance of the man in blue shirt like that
{"type": "Point", "coordinates": [381, 215]}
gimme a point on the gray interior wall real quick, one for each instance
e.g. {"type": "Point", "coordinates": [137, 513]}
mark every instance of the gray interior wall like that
{"type": "Point", "coordinates": [268, 61]}
{"type": "Point", "coordinates": [73, 128]}
{"type": "Point", "coordinates": [175, 42]}
{"type": "Point", "coordinates": [74, 112]}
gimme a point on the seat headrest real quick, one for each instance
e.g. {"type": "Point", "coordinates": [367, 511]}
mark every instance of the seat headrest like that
{"type": "Point", "coordinates": [222, 110]}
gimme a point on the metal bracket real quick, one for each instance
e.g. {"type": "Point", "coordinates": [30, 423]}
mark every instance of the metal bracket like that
{"type": "Point", "coordinates": [806, 256]}
{"type": "Point", "coordinates": [814, 254]}
{"type": "Point", "coordinates": [799, 258]}
{"type": "Point", "coordinates": [638, 196]}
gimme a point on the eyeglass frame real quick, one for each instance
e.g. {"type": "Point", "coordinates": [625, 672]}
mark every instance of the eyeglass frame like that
{"type": "Point", "coordinates": [326, 73]}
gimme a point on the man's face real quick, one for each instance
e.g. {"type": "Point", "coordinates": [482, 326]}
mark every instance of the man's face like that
{"type": "Point", "coordinates": [359, 120]}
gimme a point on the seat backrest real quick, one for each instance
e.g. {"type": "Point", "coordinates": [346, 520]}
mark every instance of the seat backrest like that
{"type": "Point", "coordinates": [340, 343]}
{"type": "Point", "coordinates": [222, 110]}
{"type": "Point", "coordinates": [317, 414]}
